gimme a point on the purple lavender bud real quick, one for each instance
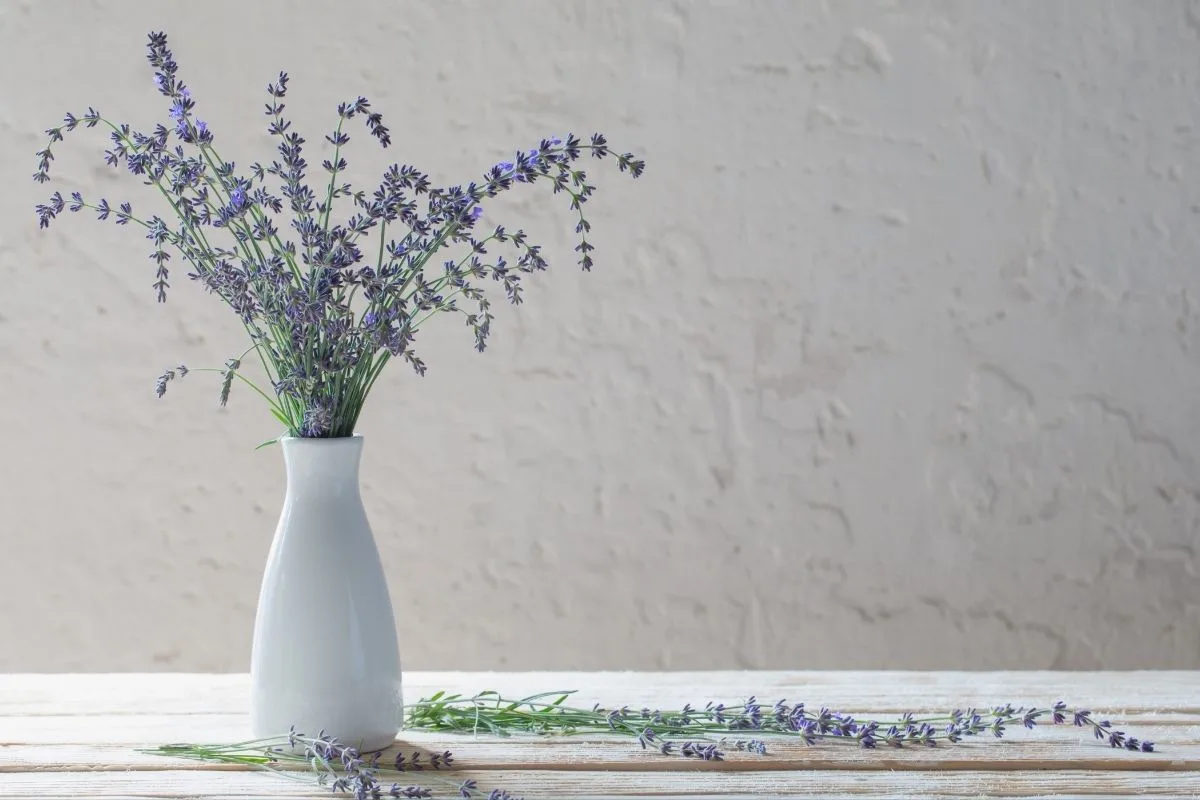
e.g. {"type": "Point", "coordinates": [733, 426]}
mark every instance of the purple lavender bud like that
{"type": "Point", "coordinates": [160, 386]}
{"type": "Point", "coordinates": [50, 210]}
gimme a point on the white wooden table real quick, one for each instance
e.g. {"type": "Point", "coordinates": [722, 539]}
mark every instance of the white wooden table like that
{"type": "Point", "coordinates": [75, 736]}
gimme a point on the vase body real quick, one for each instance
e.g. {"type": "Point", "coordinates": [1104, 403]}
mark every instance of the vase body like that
{"type": "Point", "coordinates": [325, 653]}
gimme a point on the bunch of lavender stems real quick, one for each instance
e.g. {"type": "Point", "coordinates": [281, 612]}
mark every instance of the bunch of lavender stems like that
{"type": "Point", "coordinates": [689, 731]}
{"type": "Point", "coordinates": [707, 733]}
{"type": "Point", "coordinates": [340, 767]}
{"type": "Point", "coordinates": [326, 311]}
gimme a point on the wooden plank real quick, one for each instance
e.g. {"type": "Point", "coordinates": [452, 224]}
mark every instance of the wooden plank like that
{"type": "Point", "coordinates": [1178, 749]}
{"type": "Point", "coordinates": [1114, 693]}
{"type": "Point", "coordinates": [580, 785]}
{"type": "Point", "coordinates": [125, 693]}
{"type": "Point", "coordinates": [156, 729]}
{"type": "Point", "coordinates": [672, 796]}
{"type": "Point", "coordinates": [130, 729]}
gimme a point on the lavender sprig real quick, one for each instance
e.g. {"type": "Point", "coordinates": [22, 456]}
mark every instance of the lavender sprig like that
{"type": "Point", "coordinates": [322, 318]}
{"type": "Point", "coordinates": [662, 730]}
{"type": "Point", "coordinates": [340, 767]}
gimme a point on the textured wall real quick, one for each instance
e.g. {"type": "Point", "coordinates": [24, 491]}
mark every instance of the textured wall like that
{"type": "Point", "coordinates": [890, 359]}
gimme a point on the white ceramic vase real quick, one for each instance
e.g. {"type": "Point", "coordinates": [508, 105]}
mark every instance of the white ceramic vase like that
{"type": "Point", "coordinates": [325, 652]}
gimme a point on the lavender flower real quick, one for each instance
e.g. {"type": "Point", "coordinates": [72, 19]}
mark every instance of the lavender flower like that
{"type": "Point", "coordinates": [160, 386]}
{"type": "Point", "coordinates": [326, 309]}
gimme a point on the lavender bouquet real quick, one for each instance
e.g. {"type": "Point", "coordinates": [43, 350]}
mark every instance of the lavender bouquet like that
{"type": "Point", "coordinates": [327, 309]}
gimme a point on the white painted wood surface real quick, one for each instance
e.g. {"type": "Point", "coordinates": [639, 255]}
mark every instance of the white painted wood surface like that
{"type": "Point", "coordinates": [76, 736]}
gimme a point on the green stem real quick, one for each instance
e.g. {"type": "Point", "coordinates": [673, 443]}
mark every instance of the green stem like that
{"type": "Point", "coordinates": [337, 150]}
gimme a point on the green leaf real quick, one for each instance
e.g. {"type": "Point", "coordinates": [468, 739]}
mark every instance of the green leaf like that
{"type": "Point", "coordinates": [532, 697]}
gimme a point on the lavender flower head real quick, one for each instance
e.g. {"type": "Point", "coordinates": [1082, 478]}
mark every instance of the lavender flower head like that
{"type": "Point", "coordinates": [327, 301]}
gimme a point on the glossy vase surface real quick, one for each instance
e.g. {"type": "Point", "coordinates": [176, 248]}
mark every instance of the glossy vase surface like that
{"type": "Point", "coordinates": [325, 653]}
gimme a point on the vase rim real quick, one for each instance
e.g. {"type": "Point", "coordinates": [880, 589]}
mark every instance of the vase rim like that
{"type": "Point", "coordinates": [322, 439]}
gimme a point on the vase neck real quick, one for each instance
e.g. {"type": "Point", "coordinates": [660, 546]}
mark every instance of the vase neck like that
{"type": "Point", "coordinates": [322, 465]}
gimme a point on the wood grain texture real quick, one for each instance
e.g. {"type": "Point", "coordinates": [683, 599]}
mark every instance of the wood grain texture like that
{"type": "Point", "coordinates": [76, 736]}
{"type": "Point", "coordinates": [606, 784]}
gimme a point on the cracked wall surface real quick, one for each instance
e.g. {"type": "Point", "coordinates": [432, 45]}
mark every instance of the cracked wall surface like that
{"type": "Point", "coordinates": [890, 360]}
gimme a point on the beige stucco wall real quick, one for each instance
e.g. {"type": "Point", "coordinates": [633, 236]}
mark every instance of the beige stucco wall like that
{"type": "Point", "coordinates": [890, 360]}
